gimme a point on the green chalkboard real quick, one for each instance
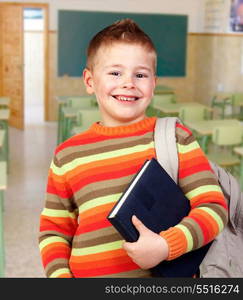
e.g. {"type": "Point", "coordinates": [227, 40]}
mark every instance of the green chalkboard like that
{"type": "Point", "coordinates": [76, 28]}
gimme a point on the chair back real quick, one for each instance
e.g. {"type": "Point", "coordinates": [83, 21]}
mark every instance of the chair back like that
{"type": "Point", "coordinates": [86, 117]}
{"type": "Point", "coordinates": [221, 97]}
{"type": "Point", "coordinates": [192, 113]}
{"type": "Point", "coordinates": [80, 102]}
{"type": "Point", "coordinates": [237, 98]}
{"type": "Point", "coordinates": [227, 135]}
{"type": "Point", "coordinates": [163, 98]}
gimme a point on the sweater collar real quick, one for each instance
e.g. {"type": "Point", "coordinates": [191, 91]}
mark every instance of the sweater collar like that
{"type": "Point", "coordinates": [145, 124]}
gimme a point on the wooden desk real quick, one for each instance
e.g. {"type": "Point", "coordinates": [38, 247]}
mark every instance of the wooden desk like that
{"type": "Point", "coordinates": [205, 128]}
{"type": "Point", "coordinates": [174, 108]}
{"type": "Point", "coordinates": [239, 151]}
{"type": "Point", "coordinates": [4, 114]}
{"type": "Point", "coordinates": [3, 186]}
{"type": "Point", "coordinates": [4, 102]}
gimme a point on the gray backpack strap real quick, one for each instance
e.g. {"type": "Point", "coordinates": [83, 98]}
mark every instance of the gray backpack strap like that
{"type": "Point", "coordinates": [165, 145]}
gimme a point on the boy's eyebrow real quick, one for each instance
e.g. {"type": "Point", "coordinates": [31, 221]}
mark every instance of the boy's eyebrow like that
{"type": "Point", "coordinates": [113, 66]}
{"type": "Point", "coordinates": [121, 66]}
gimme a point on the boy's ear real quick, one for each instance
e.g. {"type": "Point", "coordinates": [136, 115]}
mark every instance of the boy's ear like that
{"type": "Point", "coordinates": [88, 81]}
{"type": "Point", "coordinates": [155, 82]}
{"type": "Point", "coordinates": [155, 79]}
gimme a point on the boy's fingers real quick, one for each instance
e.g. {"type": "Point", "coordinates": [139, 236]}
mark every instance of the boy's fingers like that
{"type": "Point", "coordinates": [139, 225]}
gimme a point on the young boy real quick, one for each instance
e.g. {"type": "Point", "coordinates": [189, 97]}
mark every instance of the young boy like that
{"type": "Point", "coordinates": [89, 172]}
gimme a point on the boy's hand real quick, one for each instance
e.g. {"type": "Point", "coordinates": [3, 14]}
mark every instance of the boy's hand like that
{"type": "Point", "coordinates": [149, 250]}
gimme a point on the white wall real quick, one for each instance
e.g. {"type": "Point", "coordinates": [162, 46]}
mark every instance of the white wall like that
{"type": "Point", "coordinates": [193, 8]}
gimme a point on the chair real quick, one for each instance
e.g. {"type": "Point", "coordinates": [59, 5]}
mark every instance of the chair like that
{"type": "Point", "coordinates": [157, 100]}
{"type": "Point", "coordinates": [237, 105]}
{"type": "Point", "coordinates": [192, 113]}
{"type": "Point", "coordinates": [239, 152]}
{"type": "Point", "coordinates": [163, 89]}
{"type": "Point", "coordinates": [222, 101]}
{"type": "Point", "coordinates": [163, 98]}
{"type": "Point", "coordinates": [85, 118]}
{"type": "Point", "coordinates": [69, 113]}
{"type": "Point", "coordinates": [224, 139]}
{"type": "Point", "coordinates": [80, 102]}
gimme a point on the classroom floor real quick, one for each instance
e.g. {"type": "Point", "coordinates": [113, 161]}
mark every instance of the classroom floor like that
{"type": "Point", "coordinates": [30, 156]}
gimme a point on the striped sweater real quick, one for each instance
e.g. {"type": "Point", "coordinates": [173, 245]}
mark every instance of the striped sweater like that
{"type": "Point", "coordinates": [87, 176]}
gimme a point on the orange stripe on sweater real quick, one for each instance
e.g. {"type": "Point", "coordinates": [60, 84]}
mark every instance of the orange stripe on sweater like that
{"type": "Point", "coordinates": [208, 197]}
{"type": "Point", "coordinates": [56, 186]}
{"type": "Point", "coordinates": [183, 128]}
{"type": "Point", "coordinates": [109, 262]}
{"type": "Point", "coordinates": [60, 179]}
{"type": "Point", "coordinates": [59, 221]}
{"type": "Point", "coordinates": [99, 209]}
{"type": "Point", "coordinates": [205, 230]}
{"type": "Point", "coordinates": [54, 253]}
{"type": "Point", "coordinates": [99, 271]}
{"type": "Point", "coordinates": [208, 220]}
{"type": "Point", "coordinates": [99, 256]}
{"type": "Point", "coordinates": [190, 154]}
{"type": "Point", "coordinates": [195, 169]}
{"type": "Point", "coordinates": [84, 169]}
{"type": "Point", "coordinates": [57, 245]}
{"type": "Point", "coordinates": [108, 166]}
{"type": "Point", "coordinates": [190, 163]}
{"type": "Point", "coordinates": [65, 275]}
{"type": "Point", "coordinates": [103, 223]}
{"type": "Point", "coordinates": [98, 217]}
{"type": "Point", "coordinates": [103, 177]}
{"type": "Point", "coordinates": [81, 139]}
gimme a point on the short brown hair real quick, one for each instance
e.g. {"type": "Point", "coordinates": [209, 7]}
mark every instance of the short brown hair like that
{"type": "Point", "coordinates": [125, 30]}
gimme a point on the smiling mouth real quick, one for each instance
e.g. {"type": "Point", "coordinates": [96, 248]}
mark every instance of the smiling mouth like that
{"type": "Point", "coordinates": [125, 98]}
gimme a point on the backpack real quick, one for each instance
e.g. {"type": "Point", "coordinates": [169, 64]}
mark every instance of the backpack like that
{"type": "Point", "coordinates": [224, 257]}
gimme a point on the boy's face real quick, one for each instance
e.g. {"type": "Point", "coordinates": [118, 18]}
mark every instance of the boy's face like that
{"type": "Point", "coordinates": [123, 80]}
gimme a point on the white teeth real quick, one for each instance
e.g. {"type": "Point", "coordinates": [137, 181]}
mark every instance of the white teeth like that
{"type": "Point", "coordinates": [126, 98]}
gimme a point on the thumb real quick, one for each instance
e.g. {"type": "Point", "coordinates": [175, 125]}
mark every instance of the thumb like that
{"type": "Point", "coordinates": [141, 228]}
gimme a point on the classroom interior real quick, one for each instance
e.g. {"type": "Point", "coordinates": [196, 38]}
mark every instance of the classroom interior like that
{"type": "Point", "coordinates": [45, 108]}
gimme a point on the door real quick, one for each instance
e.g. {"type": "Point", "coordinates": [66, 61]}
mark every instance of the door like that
{"type": "Point", "coordinates": [11, 63]}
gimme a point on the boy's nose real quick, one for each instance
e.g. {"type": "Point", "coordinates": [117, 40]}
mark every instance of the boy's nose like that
{"type": "Point", "coordinates": [128, 85]}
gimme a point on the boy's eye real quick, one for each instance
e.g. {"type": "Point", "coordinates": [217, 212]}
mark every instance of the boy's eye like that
{"type": "Point", "coordinates": [140, 75]}
{"type": "Point", "coordinates": [115, 73]}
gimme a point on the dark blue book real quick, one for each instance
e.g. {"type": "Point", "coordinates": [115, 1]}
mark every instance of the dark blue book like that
{"type": "Point", "coordinates": [159, 203]}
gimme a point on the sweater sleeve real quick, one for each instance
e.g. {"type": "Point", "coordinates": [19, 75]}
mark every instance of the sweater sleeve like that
{"type": "Point", "coordinates": [58, 223]}
{"type": "Point", "coordinates": [208, 214]}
